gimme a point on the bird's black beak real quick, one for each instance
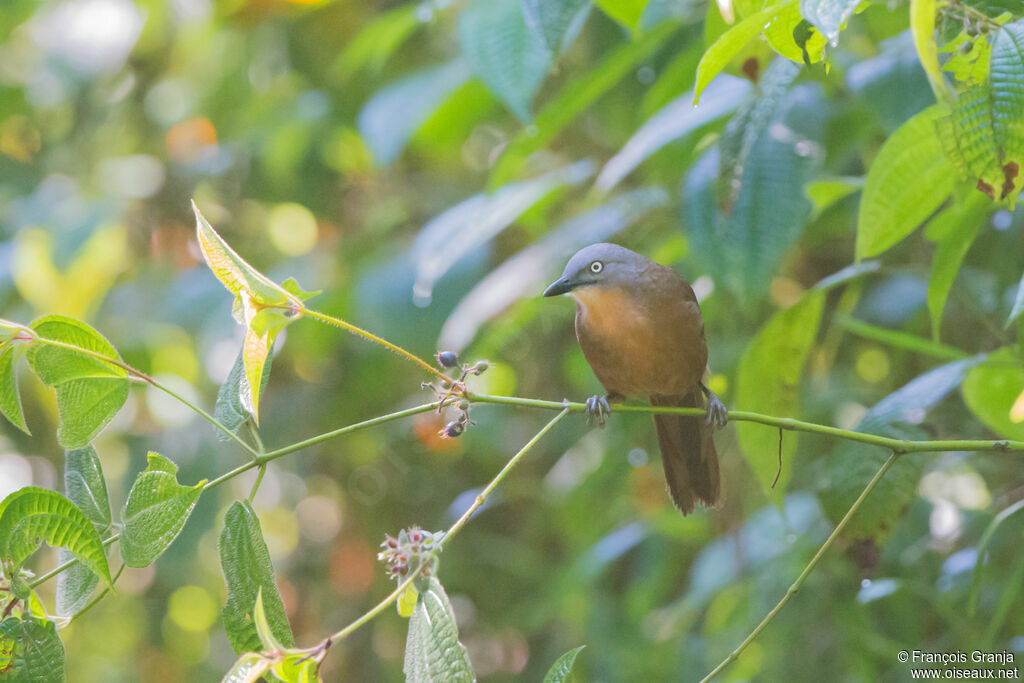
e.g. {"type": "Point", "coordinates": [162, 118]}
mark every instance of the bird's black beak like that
{"type": "Point", "coordinates": [559, 287]}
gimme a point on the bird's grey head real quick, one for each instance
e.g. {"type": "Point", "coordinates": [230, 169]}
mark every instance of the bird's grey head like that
{"type": "Point", "coordinates": [600, 264]}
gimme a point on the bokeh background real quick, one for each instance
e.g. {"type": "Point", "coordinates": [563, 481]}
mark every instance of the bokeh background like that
{"type": "Point", "coordinates": [322, 139]}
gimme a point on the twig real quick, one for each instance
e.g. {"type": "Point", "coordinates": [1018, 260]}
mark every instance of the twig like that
{"type": "Point", "coordinates": [779, 473]}
{"type": "Point", "coordinates": [807, 570]}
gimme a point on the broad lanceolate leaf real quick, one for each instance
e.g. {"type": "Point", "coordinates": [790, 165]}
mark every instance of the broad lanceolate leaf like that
{"type": "Point", "coordinates": [511, 59]}
{"type": "Point", "coordinates": [992, 391]}
{"type": "Point", "coordinates": [155, 512]}
{"type": "Point", "coordinates": [234, 398]}
{"type": "Point", "coordinates": [562, 667]}
{"type": "Point", "coordinates": [676, 119]}
{"type": "Point", "coordinates": [89, 391]}
{"type": "Point", "coordinates": [396, 111]}
{"type": "Point", "coordinates": [1006, 74]}
{"type": "Point", "coordinates": [10, 400]}
{"type": "Point", "coordinates": [730, 43]}
{"type": "Point", "coordinates": [32, 515]}
{"type": "Point", "coordinates": [742, 221]}
{"type": "Point", "coordinates": [245, 563]}
{"type": "Point", "coordinates": [851, 465]}
{"type": "Point", "coordinates": [35, 652]}
{"type": "Point", "coordinates": [828, 16]}
{"type": "Point", "coordinates": [433, 653]}
{"type": "Point", "coordinates": [449, 236]}
{"type": "Point", "coordinates": [376, 41]}
{"type": "Point", "coordinates": [574, 99]}
{"type": "Point", "coordinates": [956, 228]}
{"type": "Point", "coordinates": [768, 381]}
{"type": "Point", "coordinates": [558, 22]}
{"type": "Point", "coordinates": [907, 181]}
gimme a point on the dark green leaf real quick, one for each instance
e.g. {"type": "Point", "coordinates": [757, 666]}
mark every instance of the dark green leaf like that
{"type": "Point", "coordinates": [234, 399]}
{"type": "Point", "coordinates": [156, 510]}
{"type": "Point", "coordinates": [10, 400]}
{"type": "Point", "coordinates": [245, 563]}
{"type": "Point", "coordinates": [574, 99]}
{"type": "Point", "coordinates": [986, 536]}
{"type": "Point", "coordinates": [36, 653]}
{"type": "Point", "coordinates": [89, 391]}
{"type": "Point", "coordinates": [433, 653]}
{"type": "Point", "coordinates": [511, 59]}
{"type": "Point", "coordinates": [558, 22]}
{"type": "Point", "coordinates": [768, 381]}
{"type": "Point", "coordinates": [851, 465]}
{"type": "Point", "coordinates": [32, 515]}
{"type": "Point", "coordinates": [993, 391]}
{"type": "Point", "coordinates": [562, 667]}
{"type": "Point", "coordinates": [906, 182]}
{"type": "Point", "coordinates": [393, 114]}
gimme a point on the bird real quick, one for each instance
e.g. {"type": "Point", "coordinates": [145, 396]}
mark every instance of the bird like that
{"type": "Point", "coordinates": [641, 330]}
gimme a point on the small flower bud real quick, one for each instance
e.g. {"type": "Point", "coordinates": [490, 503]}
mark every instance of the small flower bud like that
{"type": "Point", "coordinates": [447, 359]}
{"type": "Point", "coordinates": [481, 367]}
{"type": "Point", "coordinates": [452, 430]}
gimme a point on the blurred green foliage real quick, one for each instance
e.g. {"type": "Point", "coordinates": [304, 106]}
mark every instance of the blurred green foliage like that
{"type": "Point", "coordinates": [427, 166]}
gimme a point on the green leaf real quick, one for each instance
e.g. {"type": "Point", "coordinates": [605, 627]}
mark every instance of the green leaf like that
{"type": "Point", "coordinates": [433, 652]}
{"type": "Point", "coordinates": [922, 27]}
{"type": "Point", "coordinates": [730, 43]}
{"type": "Point", "coordinates": [906, 182]}
{"type": "Point", "coordinates": [85, 486]}
{"type": "Point", "coordinates": [264, 632]}
{"type": "Point", "coordinates": [467, 225]}
{"type": "Point", "coordinates": [678, 118]}
{"type": "Point", "coordinates": [825, 193]}
{"type": "Point", "coordinates": [32, 515]}
{"type": "Point", "coordinates": [155, 512]}
{"type": "Point", "coordinates": [394, 113]}
{"type": "Point", "coordinates": [574, 99]}
{"type": "Point", "coordinates": [626, 12]}
{"type": "Point", "coordinates": [970, 67]}
{"type": "Point", "coordinates": [958, 225]}
{"type": "Point", "coordinates": [793, 37]}
{"type": "Point", "coordinates": [376, 42]}
{"type": "Point", "coordinates": [979, 565]}
{"type": "Point", "coordinates": [768, 381]}
{"type": "Point", "coordinates": [35, 654]}
{"type": "Point", "coordinates": [760, 166]}
{"type": "Point", "coordinates": [297, 667]}
{"type": "Point", "coordinates": [89, 391]}
{"type": "Point", "coordinates": [234, 398]}
{"type": "Point", "coordinates": [562, 667]}
{"type": "Point", "coordinates": [828, 16]}
{"type": "Point", "coordinates": [511, 59]}
{"type": "Point", "coordinates": [10, 400]}
{"type": "Point", "coordinates": [557, 22]}
{"type": "Point", "coordinates": [1018, 304]}
{"type": "Point", "coordinates": [247, 669]}
{"type": "Point", "coordinates": [850, 466]}
{"type": "Point", "coordinates": [968, 138]}
{"type": "Point", "coordinates": [1006, 75]}
{"type": "Point", "coordinates": [993, 390]}
{"type": "Point", "coordinates": [248, 573]}
{"type": "Point", "coordinates": [897, 338]}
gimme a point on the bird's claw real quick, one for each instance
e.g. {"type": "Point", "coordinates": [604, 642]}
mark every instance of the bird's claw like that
{"type": "Point", "coordinates": [597, 410]}
{"type": "Point", "coordinates": [718, 414]}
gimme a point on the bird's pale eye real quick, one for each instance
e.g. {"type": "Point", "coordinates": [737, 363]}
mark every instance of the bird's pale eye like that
{"type": "Point", "coordinates": [596, 267]}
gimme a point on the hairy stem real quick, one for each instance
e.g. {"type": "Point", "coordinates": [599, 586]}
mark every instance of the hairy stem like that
{"type": "Point", "coordinates": [338, 322]}
{"type": "Point", "coordinates": [898, 446]}
{"type": "Point", "coordinates": [734, 655]}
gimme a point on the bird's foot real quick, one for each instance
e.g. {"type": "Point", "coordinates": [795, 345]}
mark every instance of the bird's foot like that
{"type": "Point", "coordinates": [718, 414]}
{"type": "Point", "coordinates": [597, 410]}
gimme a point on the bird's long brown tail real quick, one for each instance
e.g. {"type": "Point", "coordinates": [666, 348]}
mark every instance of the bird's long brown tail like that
{"type": "Point", "coordinates": [687, 453]}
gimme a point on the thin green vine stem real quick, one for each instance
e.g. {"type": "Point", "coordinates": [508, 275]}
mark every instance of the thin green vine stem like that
{"type": "Point", "coordinates": [74, 560]}
{"type": "Point", "coordinates": [454, 529]}
{"type": "Point", "coordinates": [152, 382]}
{"type": "Point", "coordinates": [734, 655]}
{"type": "Point", "coordinates": [338, 322]}
{"type": "Point", "coordinates": [898, 446]}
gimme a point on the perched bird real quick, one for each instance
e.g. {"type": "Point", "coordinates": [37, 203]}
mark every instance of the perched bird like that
{"type": "Point", "coordinates": [640, 328]}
